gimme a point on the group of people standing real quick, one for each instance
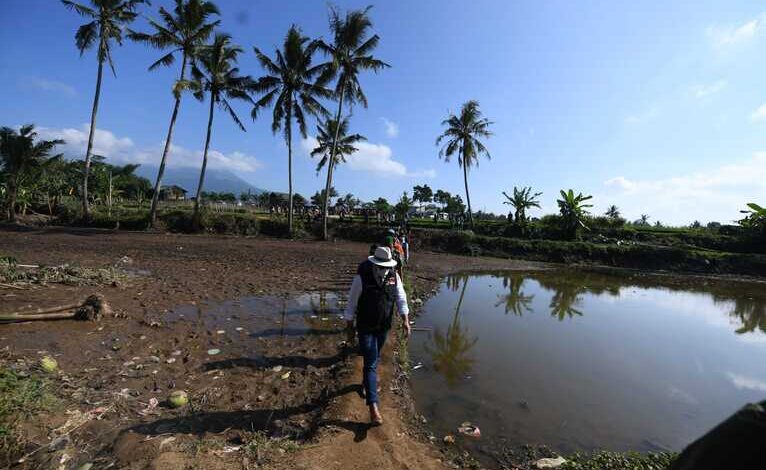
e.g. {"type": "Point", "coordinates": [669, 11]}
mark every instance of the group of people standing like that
{"type": "Point", "coordinates": [376, 292]}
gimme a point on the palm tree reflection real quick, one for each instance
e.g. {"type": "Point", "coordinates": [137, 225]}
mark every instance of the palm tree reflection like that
{"type": "Point", "coordinates": [515, 301]}
{"type": "Point", "coordinates": [751, 311]}
{"type": "Point", "coordinates": [566, 296]}
{"type": "Point", "coordinates": [449, 353]}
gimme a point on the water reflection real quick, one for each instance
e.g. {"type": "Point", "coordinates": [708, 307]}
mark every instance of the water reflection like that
{"type": "Point", "coordinates": [515, 301]}
{"type": "Point", "coordinates": [449, 351]}
{"type": "Point", "coordinates": [750, 311]}
{"type": "Point", "coordinates": [646, 361]}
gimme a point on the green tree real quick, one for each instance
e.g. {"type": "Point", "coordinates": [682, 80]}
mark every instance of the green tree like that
{"type": "Point", "coordinates": [403, 206]}
{"type": "Point", "coordinates": [21, 154]}
{"type": "Point", "coordinates": [422, 194]}
{"type": "Point", "coordinates": [613, 212]}
{"type": "Point", "coordinates": [755, 218]}
{"type": "Point", "coordinates": [291, 81]}
{"type": "Point", "coordinates": [327, 133]}
{"type": "Point", "coordinates": [522, 200]}
{"type": "Point", "coordinates": [381, 205]}
{"type": "Point", "coordinates": [108, 18]}
{"type": "Point", "coordinates": [573, 212]}
{"type": "Point", "coordinates": [214, 73]}
{"type": "Point", "coordinates": [442, 197]}
{"type": "Point", "coordinates": [350, 54]}
{"type": "Point", "coordinates": [318, 199]}
{"type": "Point", "coordinates": [462, 137]}
{"type": "Point", "coordinates": [182, 31]}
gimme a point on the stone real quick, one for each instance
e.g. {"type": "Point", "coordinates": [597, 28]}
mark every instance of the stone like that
{"type": "Point", "coordinates": [550, 462]}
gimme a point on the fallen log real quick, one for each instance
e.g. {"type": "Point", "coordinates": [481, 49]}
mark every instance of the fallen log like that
{"type": "Point", "coordinates": [92, 309]}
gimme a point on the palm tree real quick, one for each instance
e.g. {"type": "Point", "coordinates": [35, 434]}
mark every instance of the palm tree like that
{"type": "Point", "coordinates": [19, 155]}
{"type": "Point", "coordinates": [462, 136]}
{"type": "Point", "coordinates": [108, 19]}
{"type": "Point", "coordinates": [350, 54]}
{"type": "Point", "coordinates": [613, 212]}
{"type": "Point", "coordinates": [183, 31]}
{"type": "Point", "coordinates": [291, 80]}
{"type": "Point", "coordinates": [214, 72]}
{"type": "Point", "coordinates": [522, 200]}
{"type": "Point", "coordinates": [573, 211]}
{"type": "Point", "coordinates": [327, 134]}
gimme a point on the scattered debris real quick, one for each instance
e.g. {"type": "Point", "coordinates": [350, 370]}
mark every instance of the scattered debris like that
{"type": "Point", "coordinates": [417, 366]}
{"type": "Point", "coordinates": [93, 308]}
{"type": "Point", "coordinates": [286, 375]}
{"type": "Point", "coordinates": [213, 352]}
{"type": "Point", "coordinates": [550, 462]}
{"type": "Point", "coordinates": [468, 429]}
{"type": "Point", "coordinates": [277, 368]}
{"type": "Point", "coordinates": [449, 439]}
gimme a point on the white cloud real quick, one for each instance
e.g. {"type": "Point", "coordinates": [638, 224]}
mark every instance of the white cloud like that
{"type": "Point", "coordinates": [373, 158]}
{"type": "Point", "coordinates": [759, 114]}
{"type": "Point", "coordinates": [122, 150]}
{"type": "Point", "coordinates": [717, 194]}
{"type": "Point", "coordinates": [50, 85]}
{"type": "Point", "coordinates": [723, 36]}
{"type": "Point", "coordinates": [701, 91]}
{"type": "Point", "coordinates": [392, 128]}
{"type": "Point", "coordinates": [747, 383]}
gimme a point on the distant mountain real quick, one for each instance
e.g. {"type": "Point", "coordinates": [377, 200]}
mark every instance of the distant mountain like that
{"type": "Point", "coordinates": [219, 181]}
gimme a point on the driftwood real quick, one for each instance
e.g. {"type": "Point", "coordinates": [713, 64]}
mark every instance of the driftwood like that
{"type": "Point", "coordinates": [94, 307]}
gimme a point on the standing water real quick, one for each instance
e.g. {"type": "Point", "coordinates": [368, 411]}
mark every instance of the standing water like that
{"type": "Point", "coordinates": [582, 361]}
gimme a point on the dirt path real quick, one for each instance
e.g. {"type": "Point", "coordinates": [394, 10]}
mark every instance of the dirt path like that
{"type": "Point", "coordinates": [189, 290]}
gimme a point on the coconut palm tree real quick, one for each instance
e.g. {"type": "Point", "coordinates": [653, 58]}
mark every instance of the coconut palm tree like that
{"type": "Point", "coordinates": [214, 73]}
{"type": "Point", "coordinates": [350, 53]}
{"type": "Point", "coordinates": [522, 200]}
{"type": "Point", "coordinates": [20, 154]}
{"type": "Point", "coordinates": [182, 31]}
{"type": "Point", "coordinates": [613, 212]}
{"type": "Point", "coordinates": [462, 137]}
{"type": "Point", "coordinates": [326, 139]}
{"type": "Point", "coordinates": [108, 18]}
{"type": "Point", "coordinates": [291, 81]}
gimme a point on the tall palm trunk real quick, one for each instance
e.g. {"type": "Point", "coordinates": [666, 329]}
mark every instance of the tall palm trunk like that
{"type": "Point", "coordinates": [161, 172]}
{"type": "Point", "coordinates": [290, 172]}
{"type": "Point", "coordinates": [91, 135]}
{"type": "Point", "coordinates": [467, 194]}
{"type": "Point", "coordinates": [331, 164]}
{"type": "Point", "coordinates": [13, 190]}
{"type": "Point", "coordinates": [196, 215]}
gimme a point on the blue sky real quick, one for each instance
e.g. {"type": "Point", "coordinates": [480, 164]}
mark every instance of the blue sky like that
{"type": "Point", "coordinates": [657, 107]}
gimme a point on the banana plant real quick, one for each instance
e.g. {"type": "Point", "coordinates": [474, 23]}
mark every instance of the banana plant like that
{"type": "Point", "coordinates": [756, 217]}
{"type": "Point", "coordinates": [573, 211]}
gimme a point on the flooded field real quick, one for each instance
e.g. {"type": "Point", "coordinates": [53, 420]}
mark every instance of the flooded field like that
{"type": "Point", "coordinates": [580, 361]}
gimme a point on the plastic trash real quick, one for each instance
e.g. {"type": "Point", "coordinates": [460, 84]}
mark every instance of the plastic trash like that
{"type": "Point", "coordinates": [470, 430]}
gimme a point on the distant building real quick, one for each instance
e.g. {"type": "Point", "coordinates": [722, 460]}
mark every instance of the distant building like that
{"type": "Point", "coordinates": [172, 193]}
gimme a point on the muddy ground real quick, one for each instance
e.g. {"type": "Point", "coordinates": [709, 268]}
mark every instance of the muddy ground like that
{"type": "Point", "coordinates": [282, 392]}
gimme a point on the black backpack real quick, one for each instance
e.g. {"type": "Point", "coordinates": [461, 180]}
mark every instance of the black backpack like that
{"type": "Point", "coordinates": [375, 309]}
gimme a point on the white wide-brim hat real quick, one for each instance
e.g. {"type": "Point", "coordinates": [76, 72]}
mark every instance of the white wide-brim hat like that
{"type": "Point", "coordinates": [382, 257]}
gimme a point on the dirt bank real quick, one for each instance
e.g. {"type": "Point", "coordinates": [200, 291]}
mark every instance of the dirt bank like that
{"type": "Point", "coordinates": [188, 295]}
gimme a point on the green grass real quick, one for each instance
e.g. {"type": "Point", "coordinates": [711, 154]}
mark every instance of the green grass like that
{"type": "Point", "coordinates": [263, 448]}
{"type": "Point", "coordinates": [604, 460]}
{"type": "Point", "coordinates": [20, 397]}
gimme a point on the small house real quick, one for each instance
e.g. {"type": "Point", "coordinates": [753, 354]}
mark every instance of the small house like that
{"type": "Point", "coordinates": [172, 193]}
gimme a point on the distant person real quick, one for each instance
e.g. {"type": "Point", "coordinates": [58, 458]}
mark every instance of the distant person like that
{"type": "Point", "coordinates": [375, 291]}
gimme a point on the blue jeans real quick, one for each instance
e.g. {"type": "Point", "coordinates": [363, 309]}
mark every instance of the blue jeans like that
{"type": "Point", "coordinates": [370, 346]}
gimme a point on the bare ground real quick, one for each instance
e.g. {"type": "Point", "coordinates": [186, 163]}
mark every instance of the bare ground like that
{"type": "Point", "coordinates": [244, 412]}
